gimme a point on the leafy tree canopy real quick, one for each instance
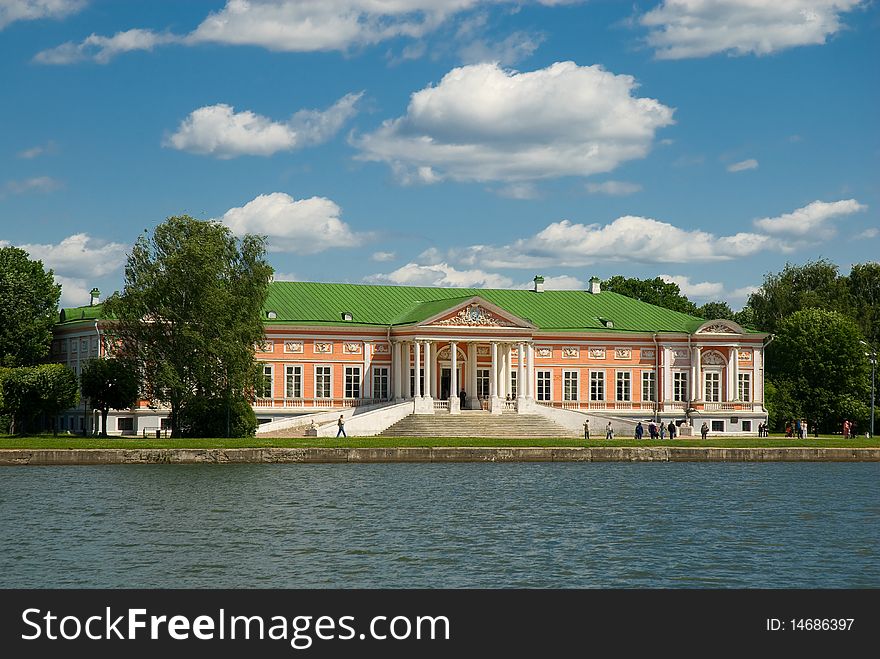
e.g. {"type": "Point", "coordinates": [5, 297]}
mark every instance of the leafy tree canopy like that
{"type": "Point", "coordinates": [190, 311]}
{"type": "Point", "coordinates": [28, 308]}
{"type": "Point", "coordinates": [716, 310]}
{"type": "Point", "coordinates": [109, 383]}
{"type": "Point", "coordinates": [653, 291]}
{"type": "Point", "coordinates": [29, 391]}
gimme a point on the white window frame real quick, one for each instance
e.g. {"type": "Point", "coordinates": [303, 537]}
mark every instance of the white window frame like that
{"type": "Point", "coordinates": [382, 372]}
{"type": "Point", "coordinates": [291, 371]}
{"type": "Point", "coordinates": [566, 391]}
{"type": "Point", "coordinates": [360, 381]}
{"type": "Point", "coordinates": [412, 380]}
{"type": "Point", "coordinates": [271, 374]}
{"type": "Point", "coordinates": [744, 378]}
{"type": "Point", "coordinates": [483, 382]}
{"type": "Point", "coordinates": [649, 378]}
{"type": "Point", "coordinates": [715, 374]}
{"type": "Point", "coordinates": [600, 379]}
{"type": "Point", "coordinates": [512, 383]}
{"type": "Point", "coordinates": [679, 395]}
{"type": "Point", "coordinates": [548, 377]}
{"type": "Point", "coordinates": [628, 380]}
{"type": "Point", "coordinates": [329, 380]}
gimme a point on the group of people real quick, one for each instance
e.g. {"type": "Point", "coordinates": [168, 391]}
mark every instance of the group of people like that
{"type": "Point", "coordinates": [655, 430]}
{"type": "Point", "coordinates": [799, 428]}
{"type": "Point", "coordinates": [763, 430]}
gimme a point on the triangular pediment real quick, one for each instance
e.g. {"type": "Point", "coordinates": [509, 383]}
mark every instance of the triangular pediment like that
{"type": "Point", "coordinates": [476, 312]}
{"type": "Point", "coordinates": [720, 327]}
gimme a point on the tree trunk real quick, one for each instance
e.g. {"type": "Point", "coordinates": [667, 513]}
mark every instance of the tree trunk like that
{"type": "Point", "coordinates": [104, 412]}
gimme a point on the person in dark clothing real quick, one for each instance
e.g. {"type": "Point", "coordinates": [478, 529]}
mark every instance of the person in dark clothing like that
{"type": "Point", "coordinates": [672, 429]}
{"type": "Point", "coordinates": [639, 430]}
{"type": "Point", "coordinates": [462, 397]}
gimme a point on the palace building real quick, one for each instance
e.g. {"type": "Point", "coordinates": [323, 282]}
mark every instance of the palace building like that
{"type": "Point", "coordinates": [379, 353]}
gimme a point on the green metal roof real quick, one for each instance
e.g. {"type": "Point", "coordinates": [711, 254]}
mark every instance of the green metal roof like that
{"type": "Point", "coordinates": [312, 303]}
{"type": "Point", "coordinates": [319, 304]}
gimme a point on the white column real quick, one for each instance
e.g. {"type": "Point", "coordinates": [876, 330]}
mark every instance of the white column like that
{"type": "Point", "coordinates": [417, 386]}
{"type": "Point", "coordinates": [396, 370]}
{"type": "Point", "coordinates": [520, 370]}
{"type": "Point", "coordinates": [505, 369]}
{"type": "Point", "coordinates": [405, 366]}
{"type": "Point", "coordinates": [667, 373]}
{"type": "Point", "coordinates": [493, 371]}
{"type": "Point", "coordinates": [530, 370]}
{"type": "Point", "coordinates": [434, 371]}
{"type": "Point", "coordinates": [731, 375]}
{"type": "Point", "coordinates": [472, 375]}
{"type": "Point", "coordinates": [367, 381]}
{"type": "Point", "coordinates": [758, 375]}
{"type": "Point", "coordinates": [429, 372]}
{"type": "Point", "coordinates": [696, 373]}
{"type": "Point", "coordinates": [453, 379]}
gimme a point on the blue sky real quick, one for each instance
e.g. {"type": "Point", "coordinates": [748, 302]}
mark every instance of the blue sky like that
{"type": "Point", "coordinates": [447, 142]}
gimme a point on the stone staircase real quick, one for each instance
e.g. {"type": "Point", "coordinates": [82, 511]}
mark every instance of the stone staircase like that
{"type": "Point", "coordinates": [477, 423]}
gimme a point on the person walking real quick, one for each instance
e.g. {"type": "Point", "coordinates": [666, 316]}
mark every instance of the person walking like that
{"type": "Point", "coordinates": [640, 431]}
{"type": "Point", "coordinates": [662, 431]}
{"type": "Point", "coordinates": [609, 431]}
{"type": "Point", "coordinates": [341, 424]}
{"type": "Point", "coordinates": [672, 430]}
{"type": "Point", "coordinates": [586, 430]}
{"type": "Point", "coordinates": [704, 429]}
{"type": "Point", "coordinates": [652, 430]}
{"type": "Point", "coordinates": [797, 428]}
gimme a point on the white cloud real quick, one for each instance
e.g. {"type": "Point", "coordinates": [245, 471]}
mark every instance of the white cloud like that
{"type": "Point", "coordinates": [742, 166]}
{"type": "Point", "coordinates": [220, 131]}
{"type": "Point", "coordinates": [628, 238]}
{"type": "Point", "coordinates": [703, 289]}
{"type": "Point", "coordinates": [742, 294]}
{"type": "Point", "coordinates": [34, 184]}
{"type": "Point", "coordinates": [102, 49]}
{"type": "Point", "coordinates": [811, 219]}
{"type": "Point", "coordinates": [524, 190]}
{"type": "Point", "coordinates": [558, 283]}
{"type": "Point", "coordinates": [698, 28]}
{"type": "Point", "coordinates": [37, 151]}
{"type": "Point", "coordinates": [614, 188]}
{"type": "Point", "coordinates": [74, 292]}
{"type": "Point", "coordinates": [868, 234]}
{"type": "Point", "coordinates": [510, 50]}
{"type": "Point", "coordinates": [79, 256]}
{"type": "Point", "coordinates": [440, 274]}
{"type": "Point", "coordinates": [484, 123]}
{"type": "Point", "coordinates": [286, 276]}
{"type": "Point", "coordinates": [383, 256]}
{"type": "Point", "coordinates": [29, 10]}
{"type": "Point", "coordinates": [300, 226]}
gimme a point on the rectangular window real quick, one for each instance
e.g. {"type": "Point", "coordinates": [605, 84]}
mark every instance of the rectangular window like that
{"type": "Point", "coordinates": [744, 393]}
{"type": "Point", "coordinates": [412, 381]}
{"type": "Point", "coordinates": [264, 390]}
{"type": "Point", "coordinates": [322, 382]}
{"type": "Point", "coordinates": [293, 381]}
{"type": "Point", "coordinates": [569, 385]}
{"type": "Point", "coordinates": [680, 386]}
{"type": "Point", "coordinates": [513, 384]}
{"type": "Point", "coordinates": [352, 382]}
{"type": "Point", "coordinates": [125, 423]}
{"type": "Point", "coordinates": [624, 385]}
{"type": "Point", "coordinates": [649, 386]}
{"type": "Point", "coordinates": [482, 383]}
{"type": "Point", "coordinates": [165, 423]}
{"type": "Point", "coordinates": [544, 385]}
{"type": "Point", "coordinates": [747, 426]}
{"type": "Point", "coordinates": [597, 385]}
{"type": "Point", "coordinates": [712, 391]}
{"type": "Point", "coordinates": [380, 382]}
{"type": "Point", "coordinates": [717, 426]}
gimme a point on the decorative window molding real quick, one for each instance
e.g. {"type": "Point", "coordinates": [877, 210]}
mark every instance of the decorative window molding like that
{"type": "Point", "coordinates": [293, 346]}
{"type": "Point", "coordinates": [597, 353]}
{"type": "Point", "coordinates": [544, 353]}
{"type": "Point", "coordinates": [681, 356]}
{"type": "Point", "coordinates": [571, 352]}
{"type": "Point", "coordinates": [323, 348]}
{"type": "Point", "coordinates": [713, 358]}
{"type": "Point", "coordinates": [482, 351]}
{"type": "Point", "coordinates": [264, 346]}
{"type": "Point", "coordinates": [648, 353]}
{"type": "Point", "coordinates": [351, 348]}
{"type": "Point", "coordinates": [381, 349]}
{"type": "Point", "coordinates": [622, 353]}
{"type": "Point", "coordinates": [745, 355]}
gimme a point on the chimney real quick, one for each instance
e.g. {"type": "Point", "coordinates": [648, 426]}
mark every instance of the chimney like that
{"type": "Point", "coordinates": [96, 294]}
{"type": "Point", "coordinates": [539, 284]}
{"type": "Point", "coordinates": [595, 285]}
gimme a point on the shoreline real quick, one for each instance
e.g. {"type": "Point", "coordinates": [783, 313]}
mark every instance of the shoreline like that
{"type": "Point", "coordinates": [319, 455]}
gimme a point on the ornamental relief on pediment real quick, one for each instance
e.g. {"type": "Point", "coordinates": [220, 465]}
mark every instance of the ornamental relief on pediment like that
{"type": "Point", "coordinates": [718, 328]}
{"type": "Point", "coordinates": [474, 316]}
{"type": "Point", "coordinates": [713, 359]}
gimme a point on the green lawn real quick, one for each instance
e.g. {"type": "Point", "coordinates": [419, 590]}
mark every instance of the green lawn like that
{"type": "Point", "coordinates": [65, 442]}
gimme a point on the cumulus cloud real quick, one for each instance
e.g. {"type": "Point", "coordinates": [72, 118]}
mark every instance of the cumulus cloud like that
{"type": "Point", "coordinates": [742, 166]}
{"type": "Point", "coordinates": [811, 220]}
{"type": "Point", "coordinates": [697, 28]}
{"type": "Point", "coordinates": [383, 256]}
{"type": "Point", "coordinates": [37, 151]}
{"type": "Point", "coordinates": [79, 256]}
{"type": "Point", "coordinates": [703, 289]}
{"type": "Point", "coordinates": [34, 184]}
{"type": "Point", "coordinates": [614, 188]}
{"type": "Point", "coordinates": [484, 123]}
{"type": "Point", "coordinates": [440, 274]}
{"type": "Point", "coordinates": [220, 131]}
{"type": "Point", "coordinates": [29, 10]}
{"type": "Point", "coordinates": [508, 51]}
{"type": "Point", "coordinates": [558, 283]}
{"type": "Point", "coordinates": [74, 292]}
{"type": "Point", "coordinates": [868, 234]}
{"type": "Point", "coordinates": [102, 49]}
{"type": "Point", "coordinates": [300, 226]}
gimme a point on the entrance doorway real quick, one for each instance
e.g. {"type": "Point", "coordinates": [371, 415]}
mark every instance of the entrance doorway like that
{"type": "Point", "coordinates": [446, 381]}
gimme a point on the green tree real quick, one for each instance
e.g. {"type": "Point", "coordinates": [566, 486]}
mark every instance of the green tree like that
{"type": "Point", "coordinates": [715, 310]}
{"type": "Point", "coordinates": [863, 283]}
{"type": "Point", "coordinates": [818, 366]}
{"type": "Point", "coordinates": [28, 308]}
{"type": "Point", "coordinates": [815, 284]}
{"type": "Point", "coordinates": [109, 383]}
{"type": "Point", "coordinates": [653, 291]}
{"type": "Point", "coordinates": [190, 312]}
{"type": "Point", "coordinates": [29, 391]}
{"type": "Point", "coordinates": [218, 417]}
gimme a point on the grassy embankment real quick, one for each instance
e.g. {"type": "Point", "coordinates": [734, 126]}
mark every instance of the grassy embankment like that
{"type": "Point", "coordinates": [72, 442]}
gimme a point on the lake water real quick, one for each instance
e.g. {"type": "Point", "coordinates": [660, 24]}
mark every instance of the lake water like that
{"type": "Point", "coordinates": [451, 525]}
